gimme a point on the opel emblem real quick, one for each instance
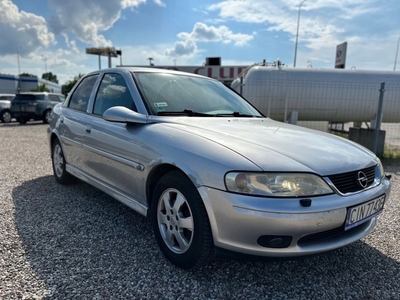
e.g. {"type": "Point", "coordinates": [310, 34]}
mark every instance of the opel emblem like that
{"type": "Point", "coordinates": [362, 179]}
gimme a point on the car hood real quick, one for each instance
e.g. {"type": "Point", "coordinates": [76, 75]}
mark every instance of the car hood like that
{"type": "Point", "coordinates": [277, 146]}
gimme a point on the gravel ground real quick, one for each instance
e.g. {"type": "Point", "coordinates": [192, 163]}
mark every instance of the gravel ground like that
{"type": "Point", "coordinates": [75, 242]}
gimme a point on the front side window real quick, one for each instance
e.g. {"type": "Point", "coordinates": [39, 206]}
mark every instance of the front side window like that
{"type": "Point", "coordinates": [113, 91]}
{"type": "Point", "coordinates": [81, 95]}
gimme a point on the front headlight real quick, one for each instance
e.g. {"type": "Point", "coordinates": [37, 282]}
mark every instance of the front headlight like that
{"type": "Point", "coordinates": [277, 184]}
{"type": "Point", "coordinates": [381, 170]}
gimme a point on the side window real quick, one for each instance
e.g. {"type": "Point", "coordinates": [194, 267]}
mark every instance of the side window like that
{"type": "Point", "coordinates": [61, 98]}
{"type": "Point", "coordinates": [54, 98]}
{"type": "Point", "coordinates": [80, 97]}
{"type": "Point", "coordinates": [113, 91]}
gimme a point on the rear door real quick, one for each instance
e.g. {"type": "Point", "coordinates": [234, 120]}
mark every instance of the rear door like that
{"type": "Point", "coordinates": [73, 121]}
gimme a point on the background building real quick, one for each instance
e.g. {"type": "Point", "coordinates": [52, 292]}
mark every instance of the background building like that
{"type": "Point", "coordinates": [9, 84]}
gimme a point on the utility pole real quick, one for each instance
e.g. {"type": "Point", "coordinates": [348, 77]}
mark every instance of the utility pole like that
{"type": "Point", "coordinates": [297, 34]}
{"type": "Point", "coordinates": [19, 73]}
{"type": "Point", "coordinates": [397, 52]}
{"type": "Point", "coordinates": [45, 63]}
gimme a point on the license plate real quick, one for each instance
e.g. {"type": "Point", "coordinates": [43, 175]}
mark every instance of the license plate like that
{"type": "Point", "coordinates": [363, 212]}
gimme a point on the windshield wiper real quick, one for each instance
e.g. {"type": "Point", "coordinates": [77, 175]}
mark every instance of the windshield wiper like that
{"type": "Point", "coordinates": [235, 114]}
{"type": "Point", "coordinates": [185, 112]}
{"type": "Point", "coordinates": [192, 113]}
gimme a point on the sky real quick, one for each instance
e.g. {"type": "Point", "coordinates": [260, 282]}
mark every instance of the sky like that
{"type": "Point", "coordinates": [52, 35]}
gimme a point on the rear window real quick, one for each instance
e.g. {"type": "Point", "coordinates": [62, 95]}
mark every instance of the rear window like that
{"type": "Point", "coordinates": [29, 97]}
{"type": "Point", "coordinates": [6, 97]}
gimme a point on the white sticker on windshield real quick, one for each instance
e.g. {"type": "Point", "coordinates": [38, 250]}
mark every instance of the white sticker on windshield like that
{"type": "Point", "coordinates": [160, 104]}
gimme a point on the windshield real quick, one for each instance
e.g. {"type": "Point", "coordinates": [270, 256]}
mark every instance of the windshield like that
{"type": "Point", "coordinates": [176, 94]}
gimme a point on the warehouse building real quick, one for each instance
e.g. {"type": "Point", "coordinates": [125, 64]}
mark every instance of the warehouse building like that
{"type": "Point", "coordinates": [9, 84]}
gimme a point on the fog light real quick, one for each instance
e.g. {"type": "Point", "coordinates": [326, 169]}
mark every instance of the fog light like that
{"type": "Point", "coordinates": [274, 241]}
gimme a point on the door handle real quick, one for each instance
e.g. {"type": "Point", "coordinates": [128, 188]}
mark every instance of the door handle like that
{"type": "Point", "coordinates": [88, 129]}
{"type": "Point", "coordinates": [62, 119]}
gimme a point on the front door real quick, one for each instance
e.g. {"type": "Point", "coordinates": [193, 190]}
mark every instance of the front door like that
{"type": "Point", "coordinates": [110, 147]}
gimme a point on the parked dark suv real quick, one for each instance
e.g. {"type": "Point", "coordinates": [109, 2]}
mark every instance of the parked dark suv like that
{"type": "Point", "coordinates": [36, 106]}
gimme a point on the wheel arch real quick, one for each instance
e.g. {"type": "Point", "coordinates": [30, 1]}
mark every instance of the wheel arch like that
{"type": "Point", "coordinates": [52, 138]}
{"type": "Point", "coordinates": [4, 111]}
{"type": "Point", "coordinates": [45, 110]}
{"type": "Point", "coordinates": [153, 178]}
{"type": "Point", "coordinates": [201, 247]}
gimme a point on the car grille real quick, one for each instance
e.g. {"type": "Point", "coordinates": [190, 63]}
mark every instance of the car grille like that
{"type": "Point", "coordinates": [348, 183]}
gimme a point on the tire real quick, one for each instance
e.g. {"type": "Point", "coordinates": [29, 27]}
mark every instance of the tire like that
{"type": "Point", "coordinates": [58, 162]}
{"type": "Point", "coordinates": [46, 116]}
{"type": "Point", "coordinates": [5, 116]}
{"type": "Point", "coordinates": [180, 222]}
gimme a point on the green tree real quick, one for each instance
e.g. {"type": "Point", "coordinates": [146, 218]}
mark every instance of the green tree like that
{"type": "Point", "coordinates": [50, 77]}
{"type": "Point", "coordinates": [67, 87]}
{"type": "Point", "coordinates": [27, 75]}
{"type": "Point", "coordinates": [41, 88]}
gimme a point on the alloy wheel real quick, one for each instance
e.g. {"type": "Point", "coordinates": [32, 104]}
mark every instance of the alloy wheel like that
{"type": "Point", "coordinates": [58, 159]}
{"type": "Point", "coordinates": [175, 221]}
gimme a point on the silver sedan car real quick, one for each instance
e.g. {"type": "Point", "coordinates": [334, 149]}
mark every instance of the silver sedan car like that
{"type": "Point", "coordinates": [210, 171]}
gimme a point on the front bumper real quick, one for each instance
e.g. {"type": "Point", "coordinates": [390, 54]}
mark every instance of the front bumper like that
{"type": "Point", "coordinates": [239, 221]}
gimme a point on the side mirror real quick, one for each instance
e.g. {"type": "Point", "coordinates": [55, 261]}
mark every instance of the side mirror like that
{"type": "Point", "coordinates": [121, 114]}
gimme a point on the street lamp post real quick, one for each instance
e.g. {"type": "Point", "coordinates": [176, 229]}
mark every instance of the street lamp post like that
{"type": "Point", "coordinates": [19, 73]}
{"type": "Point", "coordinates": [397, 52]}
{"type": "Point", "coordinates": [45, 63]}
{"type": "Point", "coordinates": [297, 34]}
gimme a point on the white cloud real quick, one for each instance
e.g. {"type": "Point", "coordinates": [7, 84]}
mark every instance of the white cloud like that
{"type": "Point", "coordinates": [22, 29]}
{"type": "Point", "coordinates": [203, 33]}
{"type": "Point", "coordinates": [324, 31]}
{"type": "Point", "coordinates": [159, 3]}
{"type": "Point", "coordinates": [187, 47]}
{"type": "Point", "coordinates": [89, 19]}
{"type": "Point", "coordinates": [248, 11]}
{"type": "Point", "coordinates": [204, 12]}
{"type": "Point", "coordinates": [71, 44]}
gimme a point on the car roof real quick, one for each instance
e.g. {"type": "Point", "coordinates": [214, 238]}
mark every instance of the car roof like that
{"type": "Point", "coordinates": [147, 70]}
{"type": "Point", "coordinates": [40, 93]}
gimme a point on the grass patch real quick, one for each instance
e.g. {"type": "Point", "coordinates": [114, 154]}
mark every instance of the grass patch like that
{"type": "Point", "coordinates": [391, 155]}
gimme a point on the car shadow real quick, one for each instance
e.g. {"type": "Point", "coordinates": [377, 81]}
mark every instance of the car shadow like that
{"type": "Point", "coordinates": [28, 123]}
{"type": "Point", "coordinates": [80, 241]}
